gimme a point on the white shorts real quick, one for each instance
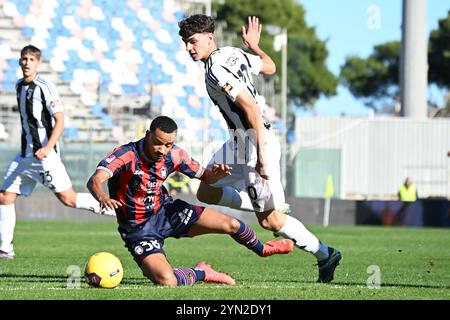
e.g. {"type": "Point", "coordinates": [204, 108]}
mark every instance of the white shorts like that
{"type": "Point", "coordinates": [23, 174]}
{"type": "Point", "coordinates": [265, 194]}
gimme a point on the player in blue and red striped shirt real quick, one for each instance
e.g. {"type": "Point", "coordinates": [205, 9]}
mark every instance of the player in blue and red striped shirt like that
{"type": "Point", "coordinates": [147, 214]}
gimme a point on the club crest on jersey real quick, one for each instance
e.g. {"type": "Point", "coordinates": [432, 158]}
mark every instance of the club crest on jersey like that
{"type": "Point", "coordinates": [163, 173]}
{"type": "Point", "coordinates": [30, 93]}
{"type": "Point", "coordinates": [227, 88]}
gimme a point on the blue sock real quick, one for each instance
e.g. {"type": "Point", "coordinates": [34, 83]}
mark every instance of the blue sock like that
{"type": "Point", "coordinates": [188, 276]}
{"type": "Point", "coordinates": [247, 237]}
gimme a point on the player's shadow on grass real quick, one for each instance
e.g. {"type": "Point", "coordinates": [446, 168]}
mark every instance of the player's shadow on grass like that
{"type": "Point", "coordinates": [134, 281]}
{"type": "Point", "coordinates": [387, 285]}
{"type": "Point", "coordinates": [34, 277]}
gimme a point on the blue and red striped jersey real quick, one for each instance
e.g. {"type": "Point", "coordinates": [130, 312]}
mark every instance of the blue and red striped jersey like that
{"type": "Point", "coordinates": [137, 182]}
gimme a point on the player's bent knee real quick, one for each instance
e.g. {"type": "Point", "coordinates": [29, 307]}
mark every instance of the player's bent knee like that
{"type": "Point", "coordinates": [233, 226]}
{"type": "Point", "coordinates": [208, 195]}
{"type": "Point", "coordinates": [7, 198]}
{"type": "Point", "coordinates": [205, 197]}
{"type": "Point", "coordinates": [266, 224]}
{"type": "Point", "coordinates": [272, 221]}
{"type": "Point", "coordinates": [202, 197]}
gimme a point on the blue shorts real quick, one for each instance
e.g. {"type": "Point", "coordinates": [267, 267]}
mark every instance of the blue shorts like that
{"type": "Point", "coordinates": [173, 220]}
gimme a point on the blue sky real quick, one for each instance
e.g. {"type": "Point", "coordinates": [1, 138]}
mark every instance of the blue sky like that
{"type": "Point", "coordinates": [344, 25]}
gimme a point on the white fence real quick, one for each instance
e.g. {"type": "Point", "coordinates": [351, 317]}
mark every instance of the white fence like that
{"type": "Point", "coordinates": [376, 155]}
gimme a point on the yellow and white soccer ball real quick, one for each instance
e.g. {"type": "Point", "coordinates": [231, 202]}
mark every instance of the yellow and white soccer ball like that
{"type": "Point", "coordinates": [104, 270]}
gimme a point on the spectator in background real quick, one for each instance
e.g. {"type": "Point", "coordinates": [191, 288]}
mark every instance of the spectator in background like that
{"type": "Point", "coordinates": [408, 191]}
{"type": "Point", "coordinates": [179, 183]}
{"type": "Point", "coordinates": [38, 161]}
{"type": "Point", "coordinates": [407, 194]}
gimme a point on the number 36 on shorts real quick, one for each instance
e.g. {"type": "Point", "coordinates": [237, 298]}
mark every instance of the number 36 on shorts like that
{"type": "Point", "coordinates": [146, 247]}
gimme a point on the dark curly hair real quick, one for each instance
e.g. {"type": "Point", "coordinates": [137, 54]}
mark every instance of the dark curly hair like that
{"type": "Point", "coordinates": [163, 123]}
{"type": "Point", "coordinates": [197, 23]}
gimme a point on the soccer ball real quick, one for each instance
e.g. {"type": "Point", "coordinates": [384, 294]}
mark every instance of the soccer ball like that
{"type": "Point", "coordinates": [104, 270]}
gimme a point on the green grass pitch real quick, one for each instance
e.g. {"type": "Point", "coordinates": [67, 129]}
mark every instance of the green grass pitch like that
{"type": "Point", "coordinates": [413, 264]}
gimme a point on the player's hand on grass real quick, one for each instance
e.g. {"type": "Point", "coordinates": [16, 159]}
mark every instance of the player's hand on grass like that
{"type": "Point", "coordinates": [252, 34]}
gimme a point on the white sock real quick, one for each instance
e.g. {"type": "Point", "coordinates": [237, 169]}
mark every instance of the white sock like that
{"type": "Point", "coordinates": [231, 198]}
{"type": "Point", "coordinates": [305, 240]}
{"type": "Point", "coordinates": [87, 201]}
{"type": "Point", "coordinates": [7, 224]}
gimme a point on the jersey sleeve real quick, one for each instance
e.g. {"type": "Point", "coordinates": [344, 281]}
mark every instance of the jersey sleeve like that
{"type": "Point", "coordinates": [116, 161]}
{"type": "Point", "coordinates": [185, 164]}
{"type": "Point", "coordinates": [52, 100]}
{"type": "Point", "coordinates": [229, 82]}
{"type": "Point", "coordinates": [254, 62]}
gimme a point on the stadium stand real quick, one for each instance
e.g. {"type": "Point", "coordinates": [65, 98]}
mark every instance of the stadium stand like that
{"type": "Point", "coordinates": [114, 65]}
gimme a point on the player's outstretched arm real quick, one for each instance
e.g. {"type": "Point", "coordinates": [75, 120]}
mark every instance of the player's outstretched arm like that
{"type": "Point", "coordinates": [251, 37]}
{"type": "Point", "coordinates": [217, 172]}
{"type": "Point", "coordinates": [95, 186]}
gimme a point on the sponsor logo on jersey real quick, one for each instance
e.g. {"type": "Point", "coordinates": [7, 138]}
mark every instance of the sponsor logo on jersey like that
{"type": "Point", "coordinates": [149, 202]}
{"type": "Point", "coordinates": [231, 61]}
{"type": "Point", "coordinates": [154, 185]}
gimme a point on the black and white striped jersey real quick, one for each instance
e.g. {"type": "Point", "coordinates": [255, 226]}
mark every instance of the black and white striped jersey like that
{"type": "Point", "coordinates": [228, 71]}
{"type": "Point", "coordinates": [38, 101]}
